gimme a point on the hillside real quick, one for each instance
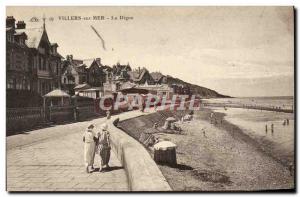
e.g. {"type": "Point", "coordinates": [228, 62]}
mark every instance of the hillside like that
{"type": "Point", "coordinates": [196, 89]}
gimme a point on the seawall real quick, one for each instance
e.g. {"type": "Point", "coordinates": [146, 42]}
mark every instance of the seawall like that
{"type": "Point", "coordinates": [143, 173]}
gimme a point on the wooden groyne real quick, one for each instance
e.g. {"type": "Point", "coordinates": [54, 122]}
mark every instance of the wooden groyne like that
{"type": "Point", "coordinates": [275, 109]}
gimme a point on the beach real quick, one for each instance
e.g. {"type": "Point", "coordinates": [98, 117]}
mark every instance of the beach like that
{"type": "Point", "coordinates": [217, 157]}
{"type": "Point", "coordinates": [277, 142]}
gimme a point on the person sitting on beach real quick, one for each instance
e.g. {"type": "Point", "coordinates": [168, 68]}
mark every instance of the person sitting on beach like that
{"type": "Point", "coordinates": [103, 146]}
{"type": "Point", "coordinates": [89, 140]}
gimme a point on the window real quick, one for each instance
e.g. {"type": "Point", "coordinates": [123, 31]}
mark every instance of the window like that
{"type": "Point", "coordinates": [7, 58]}
{"type": "Point", "coordinates": [33, 62]}
{"type": "Point", "coordinates": [12, 59]}
{"type": "Point", "coordinates": [9, 37]}
{"type": "Point", "coordinates": [18, 84]}
{"type": "Point", "coordinates": [45, 64]}
{"type": "Point", "coordinates": [24, 84]}
{"type": "Point", "coordinates": [40, 63]}
{"type": "Point", "coordinates": [57, 70]}
{"type": "Point", "coordinates": [11, 83]}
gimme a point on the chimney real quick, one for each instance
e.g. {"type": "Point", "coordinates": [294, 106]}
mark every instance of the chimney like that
{"type": "Point", "coordinates": [21, 25]}
{"type": "Point", "coordinates": [69, 58]}
{"type": "Point", "coordinates": [98, 60]}
{"type": "Point", "coordinates": [10, 21]}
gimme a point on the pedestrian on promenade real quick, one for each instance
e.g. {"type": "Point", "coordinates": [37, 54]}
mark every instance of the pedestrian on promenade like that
{"type": "Point", "coordinates": [287, 121]}
{"type": "Point", "coordinates": [266, 129]}
{"type": "Point", "coordinates": [103, 146]}
{"type": "Point", "coordinates": [108, 116]}
{"type": "Point", "coordinates": [89, 140]}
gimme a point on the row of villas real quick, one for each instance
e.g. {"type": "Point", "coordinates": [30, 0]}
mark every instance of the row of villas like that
{"type": "Point", "coordinates": [34, 68]}
{"type": "Point", "coordinates": [93, 79]}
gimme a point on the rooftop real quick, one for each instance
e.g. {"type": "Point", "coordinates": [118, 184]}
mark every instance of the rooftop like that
{"type": "Point", "coordinates": [57, 93]}
{"type": "Point", "coordinates": [34, 36]}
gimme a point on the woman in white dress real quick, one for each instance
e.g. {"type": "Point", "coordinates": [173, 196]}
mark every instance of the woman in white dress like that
{"type": "Point", "coordinates": [89, 140]}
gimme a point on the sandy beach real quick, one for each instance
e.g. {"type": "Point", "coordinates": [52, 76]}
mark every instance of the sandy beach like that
{"type": "Point", "coordinates": [217, 157]}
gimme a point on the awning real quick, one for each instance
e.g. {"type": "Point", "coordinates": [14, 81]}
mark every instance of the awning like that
{"type": "Point", "coordinates": [134, 91]}
{"type": "Point", "coordinates": [82, 86]}
{"type": "Point", "coordinates": [57, 93]}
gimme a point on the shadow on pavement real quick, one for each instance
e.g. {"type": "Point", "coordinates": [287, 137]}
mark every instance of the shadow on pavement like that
{"type": "Point", "coordinates": [111, 168]}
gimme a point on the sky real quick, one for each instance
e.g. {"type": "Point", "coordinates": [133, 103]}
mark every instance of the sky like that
{"type": "Point", "coordinates": [237, 51]}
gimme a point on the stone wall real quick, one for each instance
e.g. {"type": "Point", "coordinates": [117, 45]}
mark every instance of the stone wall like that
{"type": "Point", "coordinates": [143, 173]}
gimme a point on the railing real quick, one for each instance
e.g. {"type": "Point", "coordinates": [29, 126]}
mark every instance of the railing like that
{"type": "Point", "coordinates": [23, 118]}
{"type": "Point", "coordinates": [84, 112]}
{"type": "Point", "coordinates": [60, 114]}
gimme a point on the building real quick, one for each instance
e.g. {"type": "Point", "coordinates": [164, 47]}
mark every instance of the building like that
{"type": "Point", "coordinates": [158, 78]}
{"type": "Point", "coordinates": [95, 72]}
{"type": "Point", "coordinates": [33, 62]}
{"type": "Point", "coordinates": [120, 71]}
{"type": "Point", "coordinates": [161, 90]}
{"type": "Point", "coordinates": [141, 76]}
{"type": "Point", "coordinates": [108, 73]}
{"type": "Point", "coordinates": [70, 76]}
{"type": "Point", "coordinates": [81, 69]}
{"type": "Point", "coordinates": [92, 74]}
{"type": "Point", "coordinates": [18, 70]}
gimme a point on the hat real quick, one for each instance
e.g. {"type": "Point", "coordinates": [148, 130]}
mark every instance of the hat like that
{"type": "Point", "coordinates": [91, 126]}
{"type": "Point", "coordinates": [104, 127]}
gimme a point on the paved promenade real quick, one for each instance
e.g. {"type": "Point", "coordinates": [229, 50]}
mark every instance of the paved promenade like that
{"type": "Point", "coordinates": [51, 159]}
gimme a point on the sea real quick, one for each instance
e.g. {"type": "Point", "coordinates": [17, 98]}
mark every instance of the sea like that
{"type": "Point", "coordinates": [258, 123]}
{"type": "Point", "coordinates": [284, 102]}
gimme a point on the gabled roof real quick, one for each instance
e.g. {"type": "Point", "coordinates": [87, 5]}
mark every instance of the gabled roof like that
{"type": "Point", "coordinates": [89, 62]}
{"type": "Point", "coordinates": [9, 28]}
{"type": "Point", "coordinates": [80, 68]}
{"type": "Point", "coordinates": [156, 76]}
{"type": "Point", "coordinates": [137, 75]}
{"type": "Point", "coordinates": [70, 70]}
{"type": "Point", "coordinates": [81, 65]}
{"type": "Point", "coordinates": [106, 67]}
{"type": "Point", "coordinates": [34, 36]}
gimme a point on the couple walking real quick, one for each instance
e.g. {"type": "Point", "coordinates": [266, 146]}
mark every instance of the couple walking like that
{"type": "Point", "coordinates": [96, 143]}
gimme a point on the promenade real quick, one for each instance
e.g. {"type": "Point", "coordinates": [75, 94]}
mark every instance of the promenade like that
{"type": "Point", "coordinates": [51, 159]}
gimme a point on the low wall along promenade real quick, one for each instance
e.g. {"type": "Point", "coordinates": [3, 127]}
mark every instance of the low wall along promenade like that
{"type": "Point", "coordinates": [143, 173]}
